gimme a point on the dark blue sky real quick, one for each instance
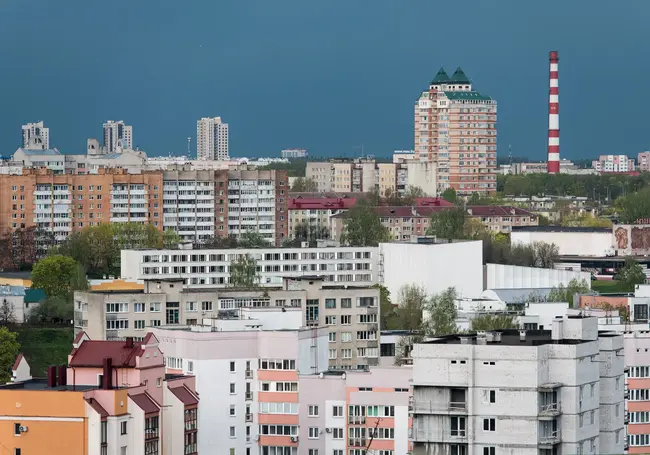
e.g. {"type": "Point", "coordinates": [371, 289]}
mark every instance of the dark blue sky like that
{"type": "Point", "coordinates": [324, 75]}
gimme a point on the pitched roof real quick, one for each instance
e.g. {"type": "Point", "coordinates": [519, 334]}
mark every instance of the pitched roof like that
{"type": "Point", "coordinates": [320, 203]}
{"type": "Point", "coordinates": [92, 353]}
{"type": "Point", "coordinates": [184, 394]}
{"type": "Point", "coordinates": [467, 96]}
{"type": "Point", "coordinates": [441, 77]}
{"type": "Point", "coordinates": [17, 362]}
{"type": "Point", "coordinates": [497, 210]}
{"type": "Point", "coordinates": [459, 76]}
{"type": "Point", "coordinates": [34, 295]}
{"type": "Point", "coordinates": [144, 402]}
{"type": "Point", "coordinates": [407, 211]}
{"type": "Point", "coordinates": [97, 407]}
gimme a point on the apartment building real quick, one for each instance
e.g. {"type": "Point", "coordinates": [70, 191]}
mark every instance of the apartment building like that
{"type": "Point", "coordinates": [354, 412]}
{"type": "Point", "coordinates": [455, 128]}
{"type": "Point", "coordinates": [209, 268]}
{"type": "Point", "coordinates": [64, 203]}
{"type": "Point", "coordinates": [212, 139]}
{"type": "Point", "coordinates": [613, 163]}
{"type": "Point", "coordinates": [407, 223]}
{"type": "Point", "coordinates": [315, 209]}
{"type": "Point", "coordinates": [249, 383]}
{"type": "Point", "coordinates": [293, 153]}
{"type": "Point", "coordinates": [637, 378]}
{"type": "Point", "coordinates": [112, 397]}
{"type": "Point", "coordinates": [365, 175]}
{"type": "Point", "coordinates": [36, 130]}
{"type": "Point", "coordinates": [117, 134]}
{"type": "Point", "coordinates": [528, 392]}
{"type": "Point", "coordinates": [643, 161]}
{"type": "Point", "coordinates": [351, 313]}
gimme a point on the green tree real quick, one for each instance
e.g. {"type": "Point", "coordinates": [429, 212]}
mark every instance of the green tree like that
{"type": "Point", "coordinates": [412, 300]}
{"type": "Point", "coordinates": [545, 254]}
{"type": "Point", "coordinates": [253, 239]}
{"type": "Point", "coordinates": [450, 195]}
{"type": "Point", "coordinates": [54, 310]}
{"type": "Point", "coordinates": [7, 313]}
{"type": "Point", "coordinates": [307, 232]}
{"type": "Point", "coordinates": [448, 224]}
{"type": "Point", "coordinates": [55, 275]}
{"type": "Point", "coordinates": [576, 220]}
{"type": "Point", "coordinates": [563, 293]}
{"type": "Point", "coordinates": [243, 272]}
{"type": "Point", "coordinates": [169, 239]}
{"type": "Point", "coordinates": [362, 227]}
{"type": "Point", "coordinates": [404, 347]}
{"type": "Point", "coordinates": [388, 313]}
{"type": "Point", "coordinates": [441, 309]}
{"type": "Point", "coordinates": [9, 350]}
{"type": "Point", "coordinates": [635, 206]}
{"type": "Point", "coordinates": [304, 185]}
{"type": "Point", "coordinates": [631, 274]}
{"type": "Point", "coordinates": [493, 321]}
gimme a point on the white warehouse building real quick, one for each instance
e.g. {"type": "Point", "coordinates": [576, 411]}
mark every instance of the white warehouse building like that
{"type": "Point", "coordinates": [524, 393]}
{"type": "Point", "coordinates": [571, 241]}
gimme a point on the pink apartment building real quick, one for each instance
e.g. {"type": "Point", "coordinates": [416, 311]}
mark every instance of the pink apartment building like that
{"type": "Point", "coordinates": [637, 394]}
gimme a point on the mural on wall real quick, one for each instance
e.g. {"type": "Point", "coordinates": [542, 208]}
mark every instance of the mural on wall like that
{"type": "Point", "coordinates": [641, 238]}
{"type": "Point", "coordinates": [621, 238]}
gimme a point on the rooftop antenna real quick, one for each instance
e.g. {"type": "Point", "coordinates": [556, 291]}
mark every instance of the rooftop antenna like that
{"type": "Point", "coordinates": [189, 142]}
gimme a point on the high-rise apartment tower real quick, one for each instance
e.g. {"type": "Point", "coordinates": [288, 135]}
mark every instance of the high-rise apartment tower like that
{"type": "Point", "coordinates": [212, 139]}
{"type": "Point", "coordinates": [455, 127]}
{"type": "Point", "coordinates": [36, 130]}
{"type": "Point", "coordinates": [116, 133]}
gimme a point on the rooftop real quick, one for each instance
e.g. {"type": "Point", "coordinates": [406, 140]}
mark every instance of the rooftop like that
{"type": "Point", "coordinates": [41, 384]}
{"type": "Point", "coordinates": [459, 76]}
{"type": "Point", "coordinates": [91, 353]}
{"type": "Point", "coordinates": [467, 96]}
{"type": "Point", "coordinates": [46, 152]}
{"type": "Point", "coordinates": [509, 338]}
{"type": "Point", "coordinates": [14, 291]}
{"type": "Point", "coordinates": [558, 229]}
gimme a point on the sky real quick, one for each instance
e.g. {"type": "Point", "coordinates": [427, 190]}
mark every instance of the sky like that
{"type": "Point", "coordinates": [323, 75]}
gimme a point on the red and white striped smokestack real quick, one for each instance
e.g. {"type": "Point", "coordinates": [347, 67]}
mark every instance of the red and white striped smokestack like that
{"type": "Point", "coordinates": [554, 116]}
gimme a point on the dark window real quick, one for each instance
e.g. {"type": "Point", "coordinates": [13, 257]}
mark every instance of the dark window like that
{"type": "Point", "coordinates": [641, 312]}
{"type": "Point", "coordinates": [123, 427]}
{"type": "Point", "coordinates": [493, 396]}
{"type": "Point", "coordinates": [387, 350]}
{"type": "Point", "coordinates": [16, 429]}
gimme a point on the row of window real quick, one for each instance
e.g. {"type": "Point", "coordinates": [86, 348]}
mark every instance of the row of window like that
{"type": "Point", "coordinates": [361, 353]}
{"type": "Point", "coordinates": [349, 255]}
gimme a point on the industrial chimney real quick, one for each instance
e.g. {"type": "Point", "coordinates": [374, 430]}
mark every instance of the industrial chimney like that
{"type": "Point", "coordinates": [553, 164]}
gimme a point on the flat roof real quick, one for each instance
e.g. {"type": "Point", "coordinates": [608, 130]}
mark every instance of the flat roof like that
{"type": "Point", "coordinates": [559, 229]}
{"type": "Point", "coordinates": [509, 338]}
{"type": "Point", "coordinates": [41, 384]}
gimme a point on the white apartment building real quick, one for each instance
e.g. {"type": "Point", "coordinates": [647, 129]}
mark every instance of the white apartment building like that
{"type": "Point", "coordinates": [208, 268]}
{"type": "Point", "coordinates": [528, 392]}
{"type": "Point", "coordinates": [613, 163]}
{"type": "Point", "coordinates": [212, 139]}
{"type": "Point", "coordinates": [36, 130]}
{"type": "Point", "coordinates": [248, 382]}
{"type": "Point", "coordinates": [293, 153]}
{"type": "Point", "coordinates": [350, 312]}
{"type": "Point", "coordinates": [117, 134]}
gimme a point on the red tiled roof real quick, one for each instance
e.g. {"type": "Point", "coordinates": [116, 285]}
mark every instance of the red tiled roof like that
{"type": "Point", "coordinates": [145, 402]}
{"type": "Point", "coordinates": [92, 353]}
{"type": "Point", "coordinates": [97, 407]}
{"type": "Point", "coordinates": [17, 362]}
{"type": "Point", "coordinates": [426, 211]}
{"type": "Point", "coordinates": [435, 201]}
{"type": "Point", "coordinates": [184, 394]}
{"type": "Point", "coordinates": [325, 195]}
{"type": "Point", "coordinates": [498, 210]}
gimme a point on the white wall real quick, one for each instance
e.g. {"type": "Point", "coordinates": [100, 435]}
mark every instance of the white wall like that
{"type": "Point", "coordinates": [569, 243]}
{"type": "Point", "coordinates": [498, 276]}
{"type": "Point", "coordinates": [436, 267]}
{"type": "Point", "coordinates": [136, 428]}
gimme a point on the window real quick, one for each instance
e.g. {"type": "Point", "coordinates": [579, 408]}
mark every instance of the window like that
{"type": "Point", "coordinates": [233, 432]}
{"type": "Point", "coordinates": [337, 411]}
{"type": "Point", "coordinates": [332, 354]}
{"type": "Point", "coordinates": [17, 451]}
{"type": "Point", "coordinates": [17, 428]}
{"type": "Point", "coordinates": [190, 366]}
{"type": "Point", "coordinates": [458, 426]}
{"type": "Point", "coordinates": [639, 394]}
{"type": "Point", "coordinates": [139, 324]}
{"type": "Point", "coordinates": [332, 337]}
{"type": "Point", "coordinates": [346, 319]}
{"type": "Point", "coordinates": [346, 303]}
{"type": "Point", "coordinates": [191, 306]}
{"type": "Point", "coordinates": [123, 427]}
{"type": "Point", "coordinates": [489, 451]}
{"type": "Point", "coordinates": [232, 410]}
{"type": "Point", "coordinates": [232, 367]}
{"type": "Point", "coordinates": [190, 419]}
{"type": "Point", "coordinates": [232, 388]}
{"type": "Point", "coordinates": [493, 396]}
{"type": "Point", "coordinates": [337, 433]}
{"type": "Point", "coordinates": [313, 432]}
{"type": "Point", "coordinates": [313, 410]}
{"type": "Point", "coordinates": [330, 320]}
{"type": "Point", "coordinates": [154, 307]}
{"type": "Point", "coordinates": [266, 364]}
{"type": "Point", "coordinates": [206, 306]}
{"type": "Point", "coordinates": [346, 353]}
{"type": "Point", "coordinates": [337, 452]}
{"type": "Point", "coordinates": [489, 424]}
{"type": "Point", "coordinates": [330, 303]}
{"type": "Point", "coordinates": [346, 337]}
{"type": "Point", "coordinates": [138, 307]}
{"type": "Point", "coordinates": [313, 451]}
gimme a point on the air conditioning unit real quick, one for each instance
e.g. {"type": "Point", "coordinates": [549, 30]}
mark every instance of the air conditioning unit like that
{"type": "Point", "coordinates": [328, 430]}
{"type": "Point", "coordinates": [294, 438]}
{"type": "Point", "coordinates": [23, 429]}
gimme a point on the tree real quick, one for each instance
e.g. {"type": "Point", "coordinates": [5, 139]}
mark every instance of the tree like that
{"type": "Point", "coordinates": [412, 194]}
{"type": "Point", "coordinates": [217, 242]}
{"type": "Point", "coordinates": [631, 274]}
{"type": "Point", "coordinates": [253, 239]}
{"type": "Point", "coordinates": [362, 227]}
{"type": "Point", "coordinates": [576, 220]}
{"type": "Point", "coordinates": [563, 293]}
{"type": "Point", "coordinates": [9, 350]}
{"type": "Point", "coordinates": [243, 272]}
{"type": "Point", "coordinates": [635, 206]}
{"type": "Point", "coordinates": [55, 275]}
{"type": "Point", "coordinates": [54, 310]}
{"type": "Point", "coordinates": [307, 232]}
{"type": "Point", "coordinates": [404, 347]}
{"type": "Point", "coordinates": [545, 254]}
{"type": "Point", "coordinates": [304, 185]}
{"type": "Point", "coordinates": [493, 321]}
{"type": "Point", "coordinates": [169, 239]}
{"type": "Point", "coordinates": [449, 195]}
{"type": "Point", "coordinates": [448, 223]}
{"type": "Point", "coordinates": [412, 300]}
{"type": "Point", "coordinates": [441, 309]}
{"type": "Point", "coordinates": [7, 314]}
{"type": "Point", "coordinates": [388, 314]}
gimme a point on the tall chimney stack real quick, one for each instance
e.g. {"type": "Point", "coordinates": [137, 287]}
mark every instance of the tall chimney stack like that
{"type": "Point", "coordinates": [554, 116]}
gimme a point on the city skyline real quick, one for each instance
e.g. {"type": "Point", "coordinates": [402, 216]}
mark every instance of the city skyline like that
{"type": "Point", "coordinates": [179, 81]}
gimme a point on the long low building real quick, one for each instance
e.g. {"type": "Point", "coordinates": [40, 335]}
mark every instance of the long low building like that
{"type": "Point", "coordinates": [571, 241]}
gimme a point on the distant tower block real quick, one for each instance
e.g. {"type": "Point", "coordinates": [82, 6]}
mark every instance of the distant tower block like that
{"type": "Point", "coordinates": [554, 115]}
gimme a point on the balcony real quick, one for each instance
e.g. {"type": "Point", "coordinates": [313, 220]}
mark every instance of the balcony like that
{"type": "Point", "coordinates": [249, 396]}
{"type": "Point", "coordinates": [626, 418]}
{"type": "Point", "coordinates": [449, 436]}
{"type": "Point", "coordinates": [249, 417]}
{"type": "Point", "coordinates": [357, 442]}
{"type": "Point", "coordinates": [549, 410]}
{"type": "Point", "coordinates": [357, 420]}
{"type": "Point", "coordinates": [433, 407]}
{"type": "Point", "coordinates": [249, 374]}
{"type": "Point", "coordinates": [548, 440]}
